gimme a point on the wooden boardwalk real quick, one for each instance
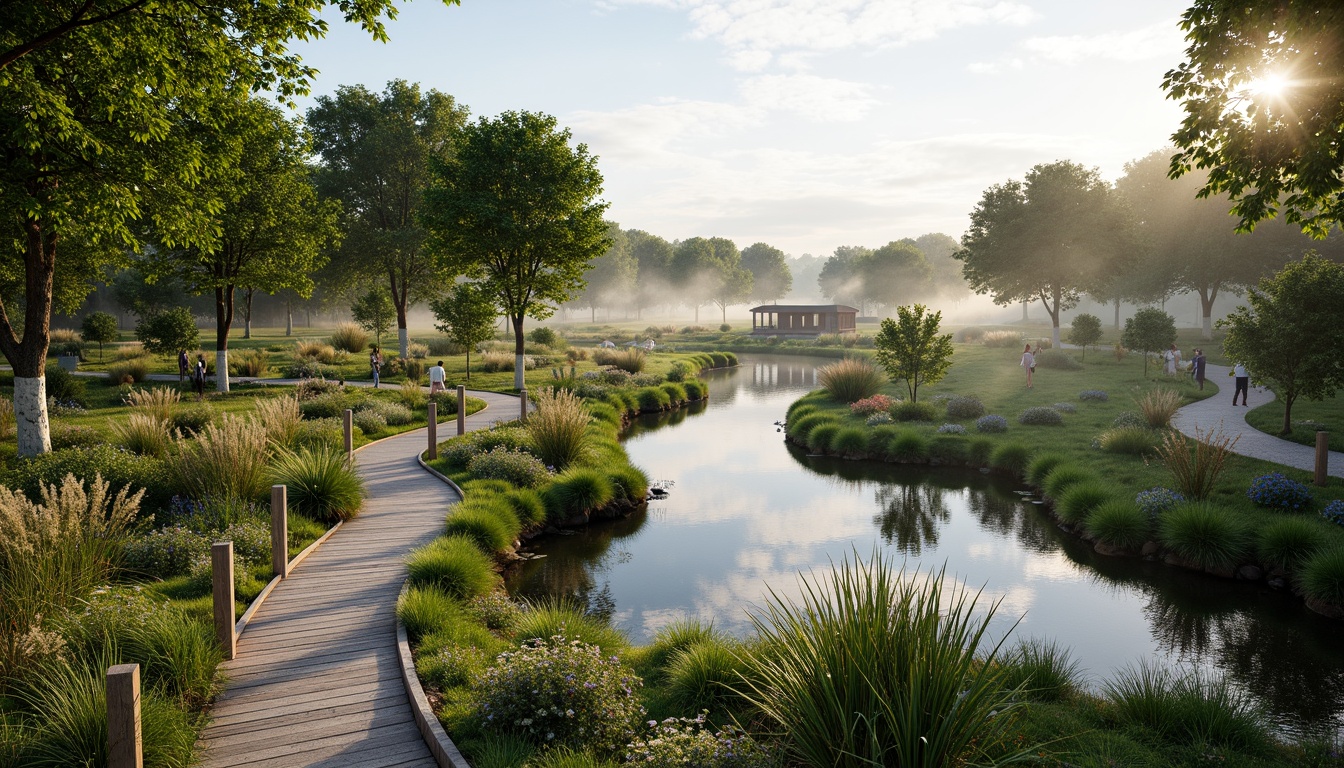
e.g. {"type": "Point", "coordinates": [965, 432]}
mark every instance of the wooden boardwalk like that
{"type": "Point", "coordinates": [316, 681]}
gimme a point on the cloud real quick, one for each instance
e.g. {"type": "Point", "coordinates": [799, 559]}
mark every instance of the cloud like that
{"type": "Point", "coordinates": [819, 99]}
{"type": "Point", "coordinates": [1163, 40]}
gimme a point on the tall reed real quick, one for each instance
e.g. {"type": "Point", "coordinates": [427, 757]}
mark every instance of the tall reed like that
{"type": "Point", "coordinates": [349, 337]}
{"type": "Point", "coordinates": [851, 379]}
{"type": "Point", "coordinates": [281, 418]}
{"type": "Point", "coordinates": [873, 667]}
{"type": "Point", "coordinates": [1195, 472]}
{"type": "Point", "coordinates": [159, 402]}
{"type": "Point", "coordinates": [559, 428]}
{"type": "Point", "coordinates": [226, 459]}
{"type": "Point", "coordinates": [143, 433]}
{"type": "Point", "coordinates": [1158, 406]}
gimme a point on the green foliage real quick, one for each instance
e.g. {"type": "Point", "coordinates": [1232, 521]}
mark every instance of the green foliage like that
{"type": "Point", "coordinates": [908, 410]}
{"type": "Point", "coordinates": [653, 399]}
{"type": "Point", "coordinates": [1058, 360]}
{"type": "Point", "coordinates": [1211, 537]}
{"type": "Point", "coordinates": [323, 483]}
{"type": "Point", "coordinates": [466, 316]}
{"type": "Point", "coordinates": [169, 331]}
{"type": "Point", "coordinates": [1062, 477]}
{"type": "Point", "coordinates": [908, 445]}
{"type": "Point", "coordinates": [424, 610]}
{"type": "Point", "coordinates": [911, 349]}
{"type": "Point", "coordinates": [1134, 441]}
{"type": "Point", "coordinates": [678, 742]}
{"type": "Point", "coordinates": [64, 386]}
{"type": "Point", "coordinates": [121, 469]}
{"type": "Point", "coordinates": [1039, 416]}
{"type": "Point", "coordinates": [454, 565]}
{"type": "Point", "coordinates": [1011, 457]}
{"type": "Point", "coordinates": [675, 392]}
{"type": "Point", "coordinates": [979, 450]}
{"type": "Point", "coordinates": [513, 465]}
{"type": "Point", "coordinates": [1041, 465]}
{"type": "Point", "coordinates": [630, 482]}
{"type": "Point", "coordinates": [801, 428]}
{"type": "Point", "coordinates": [677, 636]}
{"type": "Point", "coordinates": [1286, 542]}
{"type": "Point", "coordinates": [703, 675]}
{"type": "Point", "coordinates": [130, 371]}
{"type": "Point", "coordinates": [1120, 524]}
{"type": "Point", "coordinates": [550, 618]}
{"type": "Point", "coordinates": [527, 505]}
{"type": "Point", "coordinates": [374, 312]}
{"type": "Point", "coordinates": [1149, 330]}
{"type": "Point", "coordinates": [1323, 575]}
{"type": "Point", "coordinates": [1185, 710]}
{"type": "Point", "coordinates": [577, 491]}
{"type": "Point", "coordinates": [963, 408]}
{"type": "Point", "coordinates": [349, 337]}
{"type": "Point", "coordinates": [820, 437]}
{"type": "Point", "coordinates": [1085, 331]}
{"type": "Point", "coordinates": [99, 328]}
{"type": "Point", "coordinates": [559, 428]}
{"type": "Point", "coordinates": [1042, 671]}
{"type": "Point", "coordinates": [1077, 501]}
{"type": "Point", "coordinates": [850, 380]}
{"type": "Point", "coordinates": [849, 440]}
{"type": "Point", "coordinates": [489, 521]}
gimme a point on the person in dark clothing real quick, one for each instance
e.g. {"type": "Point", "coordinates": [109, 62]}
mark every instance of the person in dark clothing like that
{"type": "Point", "coordinates": [1243, 379]}
{"type": "Point", "coordinates": [198, 377]}
{"type": "Point", "coordinates": [1197, 367]}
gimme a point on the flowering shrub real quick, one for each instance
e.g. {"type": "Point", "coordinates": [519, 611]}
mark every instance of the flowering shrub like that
{"type": "Point", "coordinates": [166, 552]}
{"type": "Point", "coordinates": [685, 741]}
{"type": "Point", "coordinates": [879, 418]}
{"type": "Point", "coordinates": [1155, 501]}
{"type": "Point", "coordinates": [369, 422]}
{"type": "Point", "coordinates": [965, 408]}
{"type": "Point", "coordinates": [870, 405]}
{"type": "Point", "coordinates": [1275, 490]}
{"type": "Point", "coordinates": [560, 691]}
{"type": "Point", "coordinates": [1065, 407]}
{"type": "Point", "coordinates": [454, 666]}
{"type": "Point", "coordinates": [991, 423]}
{"type": "Point", "coordinates": [1334, 512]}
{"type": "Point", "coordinates": [1040, 416]}
{"type": "Point", "coordinates": [1093, 395]}
{"type": "Point", "coordinates": [459, 450]}
{"type": "Point", "coordinates": [1126, 419]}
{"type": "Point", "coordinates": [952, 429]}
{"type": "Point", "coordinates": [495, 610]}
{"type": "Point", "coordinates": [514, 465]}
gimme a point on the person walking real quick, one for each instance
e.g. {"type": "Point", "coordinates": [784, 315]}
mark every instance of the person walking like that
{"type": "Point", "coordinates": [1197, 367]}
{"type": "Point", "coordinates": [1173, 358]}
{"type": "Point", "coordinates": [183, 366]}
{"type": "Point", "coordinates": [1028, 363]}
{"type": "Point", "coordinates": [198, 377]}
{"type": "Point", "coordinates": [437, 376]}
{"type": "Point", "coordinates": [375, 364]}
{"type": "Point", "coordinates": [1243, 383]}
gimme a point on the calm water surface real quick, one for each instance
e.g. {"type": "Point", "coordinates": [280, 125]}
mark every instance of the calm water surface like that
{"type": "Point", "coordinates": [747, 513]}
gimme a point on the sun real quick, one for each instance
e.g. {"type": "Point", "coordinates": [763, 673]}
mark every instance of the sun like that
{"type": "Point", "coordinates": [1272, 85]}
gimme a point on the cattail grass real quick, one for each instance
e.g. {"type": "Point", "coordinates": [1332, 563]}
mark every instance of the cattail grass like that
{"type": "Point", "coordinates": [851, 379]}
{"type": "Point", "coordinates": [1208, 536]}
{"type": "Point", "coordinates": [1187, 709]}
{"type": "Point", "coordinates": [226, 459]}
{"type": "Point", "coordinates": [1323, 576]}
{"type": "Point", "coordinates": [454, 565]}
{"type": "Point", "coordinates": [559, 428]}
{"type": "Point", "coordinates": [1195, 469]}
{"type": "Point", "coordinates": [872, 667]}
{"type": "Point", "coordinates": [544, 619]}
{"type": "Point", "coordinates": [143, 433]}
{"type": "Point", "coordinates": [158, 402]}
{"type": "Point", "coordinates": [1287, 542]}
{"type": "Point", "coordinates": [349, 337]}
{"type": "Point", "coordinates": [1076, 503]}
{"type": "Point", "coordinates": [1041, 670]}
{"type": "Point", "coordinates": [1119, 523]}
{"type": "Point", "coordinates": [1158, 406]}
{"type": "Point", "coordinates": [322, 482]}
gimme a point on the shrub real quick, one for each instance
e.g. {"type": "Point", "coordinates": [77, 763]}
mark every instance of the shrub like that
{"type": "Point", "coordinates": [369, 423]}
{"type": "Point", "coordinates": [1078, 500]}
{"type": "Point", "coordinates": [226, 460]}
{"type": "Point", "coordinates": [908, 411]}
{"type": "Point", "coordinates": [951, 429]}
{"type": "Point", "coordinates": [454, 565]}
{"type": "Point", "coordinates": [496, 611]}
{"type": "Point", "coordinates": [991, 424]}
{"type": "Point", "coordinates": [543, 335]}
{"type": "Point", "coordinates": [1057, 359]}
{"type": "Point", "coordinates": [577, 491]}
{"type": "Point", "coordinates": [681, 741]}
{"type": "Point", "coordinates": [1133, 441]}
{"type": "Point", "coordinates": [1062, 477]}
{"type": "Point", "coordinates": [1041, 465]}
{"type": "Point", "coordinates": [1154, 502]}
{"type": "Point", "coordinates": [516, 466]}
{"type": "Point", "coordinates": [653, 399]}
{"type": "Point", "coordinates": [699, 676]}
{"type": "Point", "coordinates": [489, 522]}
{"type": "Point", "coordinates": [121, 469]}
{"type": "Point", "coordinates": [1129, 419]}
{"type": "Point", "coordinates": [849, 440]}
{"type": "Point", "coordinates": [1042, 670]}
{"type": "Point", "coordinates": [323, 483]}
{"type": "Point", "coordinates": [349, 337]}
{"type": "Point", "coordinates": [878, 419]}
{"type": "Point", "coordinates": [909, 446]}
{"type": "Point", "coordinates": [165, 552]}
{"type": "Point", "coordinates": [1276, 491]}
{"type": "Point", "coordinates": [962, 408]}
{"type": "Point", "coordinates": [459, 450]}
{"type": "Point", "coordinates": [548, 618]}
{"type": "Point", "coordinates": [1002, 339]}
{"type": "Point", "coordinates": [879, 439]}
{"type": "Point", "coordinates": [969, 335]}
{"type": "Point", "coordinates": [1323, 576]}
{"type": "Point", "coordinates": [394, 414]}
{"type": "Point", "coordinates": [675, 392]}
{"type": "Point", "coordinates": [143, 434]}
{"type": "Point", "coordinates": [158, 402]}
{"type": "Point", "coordinates": [1158, 406]}
{"type": "Point", "coordinates": [424, 610]}
{"type": "Point", "coordinates": [819, 439]}
{"type": "Point", "coordinates": [1289, 541]}
{"type": "Point", "coordinates": [1334, 512]}
{"type": "Point", "coordinates": [249, 362]}
{"type": "Point", "coordinates": [1011, 457]}
{"type": "Point", "coordinates": [191, 419]}
{"type": "Point", "coordinates": [560, 692]}
{"type": "Point", "coordinates": [1195, 472]}
{"type": "Point", "coordinates": [871, 405]}
{"type": "Point", "coordinates": [328, 405]}
{"type": "Point", "coordinates": [307, 368]}
{"type": "Point", "coordinates": [1040, 416]}
{"type": "Point", "coordinates": [695, 390]}
{"type": "Point", "coordinates": [851, 379]}
{"type": "Point", "coordinates": [1119, 524]}
{"type": "Point", "coordinates": [1065, 407]}
{"type": "Point", "coordinates": [412, 395]}
{"type": "Point", "coordinates": [323, 433]}
{"type": "Point", "coordinates": [1185, 710]}
{"type": "Point", "coordinates": [801, 428]}
{"type": "Point", "coordinates": [978, 451]}
{"type": "Point", "coordinates": [1208, 536]}
{"type": "Point", "coordinates": [1093, 396]}
{"type": "Point", "coordinates": [126, 372]}
{"type": "Point", "coordinates": [875, 668]}
{"type": "Point", "coordinates": [559, 428]}
{"type": "Point", "coordinates": [66, 436]}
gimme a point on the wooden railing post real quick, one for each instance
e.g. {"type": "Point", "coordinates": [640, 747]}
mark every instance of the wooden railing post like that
{"type": "Point", "coordinates": [124, 749]}
{"type": "Point", "coordinates": [280, 530]}
{"type": "Point", "coordinates": [221, 569]}
{"type": "Point", "coordinates": [349, 431]}
{"type": "Point", "coordinates": [1322, 457]}
{"type": "Point", "coordinates": [433, 430]}
{"type": "Point", "coordinates": [461, 409]}
{"type": "Point", "coordinates": [522, 405]}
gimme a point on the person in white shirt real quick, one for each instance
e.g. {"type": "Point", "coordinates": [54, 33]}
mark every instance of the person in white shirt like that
{"type": "Point", "coordinates": [437, 376]}
{"type": "Point", "coordinates": [1028, 363]}
{"type": "Point", "coordinates": [1243, 381]}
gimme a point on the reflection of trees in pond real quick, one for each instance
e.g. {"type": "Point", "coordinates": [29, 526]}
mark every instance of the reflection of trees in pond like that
{"type": "Point", "coordinates": [1008, 516]}
{"type": "Point", "coordinates": [655, 421]}
{"type": "Point", "coordinates": [910, 515]}
{"type": "Point", "coordinates": [577, 570]}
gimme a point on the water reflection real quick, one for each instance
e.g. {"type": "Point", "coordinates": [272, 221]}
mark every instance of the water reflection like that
{"type": "Point", "coordinates": [747, 513]}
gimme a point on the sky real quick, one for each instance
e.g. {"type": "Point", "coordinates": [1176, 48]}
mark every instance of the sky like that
{"type": "Point", "coordinates": [806, 124]}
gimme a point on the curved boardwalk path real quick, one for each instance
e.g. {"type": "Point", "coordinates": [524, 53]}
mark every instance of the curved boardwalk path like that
{"type": "Point", "coordinates": [316, 681]}
{"type": "Point", "coordinates": [1218, 412]}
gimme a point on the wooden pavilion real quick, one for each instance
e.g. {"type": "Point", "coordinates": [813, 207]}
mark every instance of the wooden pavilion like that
{"type": "Point", "coordinates": [802, 319]}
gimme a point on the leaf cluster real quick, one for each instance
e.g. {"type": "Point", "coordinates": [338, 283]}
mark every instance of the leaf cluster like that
{"type": "Point", "coordinates": [910, 348]}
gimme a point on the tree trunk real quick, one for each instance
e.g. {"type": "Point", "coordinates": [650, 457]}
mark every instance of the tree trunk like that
{"type": "Point", "coordinates": [468, 362]}
{"type": "Point", "coordinates": [1288, 399]}
{"type": "Point", "coordinates": [223, 322]}
{"type": "Point", "coordinates": [28, 356]}
{"type": "Point", "coordinates": [593, 316]}
{"type": "Point", "coordinates": [518, 350]}
{"type": "Point", "coordinates": [289, 317]}
{"type": "Point", "coordinates": [1024, 311]}
{"type": "Point", "coordinates": [399, 301]}
{"type": "Point", "coordinates": [1206, 299]}
{"type": "Point", "coordinates": [1054, 311]}
{"type": "Point", "coordinates": [1117, 313]}
{"type": "Point", "coordinates": [247, 312]}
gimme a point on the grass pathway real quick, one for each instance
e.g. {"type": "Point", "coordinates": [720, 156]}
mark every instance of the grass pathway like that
{"type": "Point", "coordinates": [316, 681]}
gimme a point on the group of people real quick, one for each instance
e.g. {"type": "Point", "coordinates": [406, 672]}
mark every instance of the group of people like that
{"type": "Point", "coordinates": [197, 372]}
{"type": "Point", "coordinates": [438, 375]}
{"type": "Point", "coordinates": [1172, 357]}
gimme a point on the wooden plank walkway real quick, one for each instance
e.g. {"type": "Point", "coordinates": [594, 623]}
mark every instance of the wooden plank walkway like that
{"type": "Point", "coordinates": [316, 681]}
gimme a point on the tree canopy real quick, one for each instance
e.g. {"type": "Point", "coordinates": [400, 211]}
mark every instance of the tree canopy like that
{"type": "Point", "coordinates": [1288, 335]}
{"type": "Point", "coordinates": [517, 208]}
{"type": "Point", "coordinates": [99, 328]}
{"type": "Point", "coordinates": [769, 268]}
{"type": "Point", "coordinates": [610, 279]}
{"type": "Point", "coordinates": [169, 331]}
{"type": "Point", "coordinates": [466, 316]}
{"type": "Point", "coordinates": [841, 280]}
{"type": "Point", "coordinates": [653, 260]}
{"type": "Point", "coordinates": [1085, 331]}
{"type": "Point", "coordinates": [709, 269]}
{"type": "Point", "coordinates": [1150, 330]}
{"type": "Point", "coordinates": [1057, 234]}
{"type": "Point", "coordinates": [895, 274]}
{"type": "Point", "coordinates": [911, 349]}
{"type": "Point", "coordinates": [1263, 92]}
{"type": "Point", "coordinates": [373, 311]}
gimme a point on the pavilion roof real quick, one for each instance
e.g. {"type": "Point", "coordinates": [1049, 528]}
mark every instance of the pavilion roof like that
{"type": "Point", "coordinates": [822, 308]}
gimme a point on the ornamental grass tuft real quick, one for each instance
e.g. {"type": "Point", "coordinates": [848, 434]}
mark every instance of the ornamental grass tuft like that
{"type": "Point", "coordinates": [323, 483]}
{"type": "Point", "coordinates": [559, 428]}
{"type": "Point", "coordinates": [227, 459]}
{"type": "Point", "coordinates": [704, 675]}
{"type": "Point", "coordinates": [1062, 477]}
{"type": "Point", "coordinates": [849, 441]}
{"type": "Point", "coordinates": [1289, 541]}
{"type": "Point", "coordinates": [424, 610]}
{"type": "Point", "coordinates": [801, 428]}
{"type": "Point", "coordinates": [454, 565]}
{"type": "Point", "coordinates": [577, 491]}
{"type": "Point", "coordinates": [1077, 501]}
{"type": "Point", "coordinates": [1132, 441]}
{"type": "Point", "coordinates": [143, 433]}
{"type": "Point", "coordinates": [1042, 670]}
{"type": "Point", "coordinates": [909, 445]}
{"type": "Point", "coordinates": [488, 521]}
{"type": "Point", "coordinates": [1188, 709]}
{"type": "Point", "coordinates": [819, 439]}
{"type": "Point", "coordinates": [851, 379]}
{"type": "Point", "coordinates": [1195, 468]}
{"type": "Point", "coordinates": [1119, 524]}
{"type": "Point", "coordinates": [1011, 458]}
{"type": "Point", "coordinates": [1322, 576]}
{"type": "Point", "coordinates": [1209, 536]}
{"type": "Point", "coordinates": [1158, 406]}
{"type": "Point", "coordinates": [1040, 416]}
{"type": "Point", "coordinates": [678, 635]}
{"type": "Point", "coordinates": [542, 619]}
{"type": "Point", "coordinates": [1041, 465]}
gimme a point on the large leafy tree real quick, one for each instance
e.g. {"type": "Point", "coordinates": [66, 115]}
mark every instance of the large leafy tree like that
{"type": "Point", "coordinates": [1057, 234]}
{"type": "Point", "coordinates": [841, 278]}
{"type": "Point", "coordinates": [653, 267]}
{"type": "Point", "coordinates": [709, 269]}
{"type": "Point", "coordinates": [1289, 336]}
{"type": "Point", "coordinates": [517, 208]}
{"type": "Point", "coordinates": [1263, 92]}
{"type": "Point", "coordinates": [948, 281]}
{"type": "Point", "coordinates": [910, 348]}
{"type": "Point", "coordinates": [611, 277]}
{"type": "Point", "coordinates": [273, 232]}
{"type": "Point", "coordinates": [1192, 243]}
{"type": "Point", "coordinates": [467, 316]}
{"type": "Point", "coordinates": [376, 151]}
{"type": "Point", "coordinates": [769, 268]}
{"type": "Point", "coordinates": [100, 103]}
{"type": "Point", "coordinates": [895, 274]}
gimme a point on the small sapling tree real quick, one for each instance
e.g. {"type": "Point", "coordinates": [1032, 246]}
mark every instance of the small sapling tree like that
{"type": "Point", "coordinates": [374, 312]}
{"type": "Point", "coordinates": [99, 327]}
{"type": "Point", "coordinates": [169, 331]}
{"type": "Point", "coordinates": [466, 316]}
{"type": "Point", "coordinates": [1150, 330]}
{"type": "Point", "coordinates": [911, 349]}
{"type": "Point", "coordinates": [1085, 331]}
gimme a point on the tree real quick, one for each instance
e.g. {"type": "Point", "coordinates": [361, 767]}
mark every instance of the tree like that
{"type": "Point", "coordinates": [840, 279]}
{"type": "Point", "coordinates": [1150, 330]}
{"type": "Point", "coordinates": [1263, 92]}
{"type": "Point", "coordinates": [100, 106]}
{"type": "Point", "coordinates": [948, 281]}
{"type": "Point", "coordinates": [895, 274]}
{"type": "Point", "coordinates": [610, 277]}
{"type": "Point", "coordinates": [769, 268]}
{"type": "Point", "coordinates": [710, 270]}
{"type": "Point", "coordinates": [272, 230]}
{"type": "Point", "coordinates": [911, 349]}
{"type": "Point", "coordinates": [376, 151]}
{"type": "Point", "coordinates": [467, 316]}
{"type": "Point", "coordinates": [1054, 236]}
{"type": "Point", "coordinates": [1290, 336]}
{"type": "Point", "coordinates": [99, 327]}
{"type": "Point", "coordinates": [374, 313]}
{"type": "Point", "coordinates": [169, 331]}
{"type": "Point", "coordinates": [1085, 331]}
{"type": "Point", "coordinates": [516, 207]}
{"type": "Point", "coordinates": [653, 259]}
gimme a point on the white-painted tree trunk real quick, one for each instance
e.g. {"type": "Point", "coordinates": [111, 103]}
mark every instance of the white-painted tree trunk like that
{"type": "Point", "coordinates": [518, 372]}
{"type": "Point", "coordinates": [1208, 328]}
{"type": "Point", "coordinates": [222, 370]}
{"type": "Point", "coordinates": [1054, 337]}
{"type": "Point", "coordinates": [247, 328]}
{"type": "Point", "coordinates": [404, 342]}
{"type": "Point", "coordinates": [30, 413]}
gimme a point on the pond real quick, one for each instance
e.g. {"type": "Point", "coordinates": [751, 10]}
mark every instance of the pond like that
{"type": "Point", "coordinates": [746, 513]}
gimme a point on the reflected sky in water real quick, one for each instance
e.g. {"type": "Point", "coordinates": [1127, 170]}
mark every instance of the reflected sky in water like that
{"type": "Point", "coordinates": [747, 513]}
